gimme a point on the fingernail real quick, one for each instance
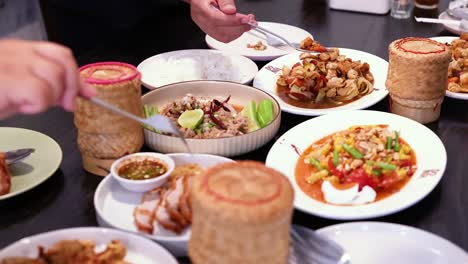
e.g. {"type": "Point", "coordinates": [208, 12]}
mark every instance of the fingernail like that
{"type": "Point", "coordinates": [245, 20]}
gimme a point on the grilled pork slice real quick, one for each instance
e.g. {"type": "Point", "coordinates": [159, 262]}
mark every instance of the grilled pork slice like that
{"type": "Point", "coordinates": [184, 201]}
{"type": "Point", "coordinates": [174, 193]}
{"type": "Point", "coordinates": [144, 213]}
{"type": "Point", "coordinates": [162, 217]}
{"type": "Point", "coordinates": [5, 178]}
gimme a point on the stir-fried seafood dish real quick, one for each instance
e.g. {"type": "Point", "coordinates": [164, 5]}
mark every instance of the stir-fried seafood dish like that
{"type": "Point", "coordinates": [5, 178]}
{"type": "Point", "coordinates": [200, 117]}
{"type": "Point", "coordinates": [324, 80]}
{"type": "Point", "coordinates": [257, 46]}
{"type": "Point", "coordinates": [168, 207]}
{"type": "Point", "coordinates": [458, 68]}
{"type": "Point", "coordinates": [369, 163]}
{"type": "Point", "coordinates": [75, 251]}
{"type": "Point", "coordinates": [312, 45]}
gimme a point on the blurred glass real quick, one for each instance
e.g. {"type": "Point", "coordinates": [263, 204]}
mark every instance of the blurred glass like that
{"type": "Point", "coordinates": [401, 9]}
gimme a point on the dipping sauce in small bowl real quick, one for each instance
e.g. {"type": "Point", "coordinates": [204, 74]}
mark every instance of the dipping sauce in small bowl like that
{"type": "Point", "coordinates": [141, 172]}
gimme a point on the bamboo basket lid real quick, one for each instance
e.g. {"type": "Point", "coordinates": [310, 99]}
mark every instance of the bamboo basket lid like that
{"type": "Point", "coordinates": [241, 214]}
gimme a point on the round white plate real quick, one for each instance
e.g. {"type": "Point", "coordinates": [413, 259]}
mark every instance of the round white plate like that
{"type": "Point", "coordinates": [267, 76]}
{"type": "Point", "coordinates": [430, 153]}
{"type": "Point", "coordinates": [385, 243]}
{"type": "Point", "coordinates": [37, 167]}
{"type": "Point", "coordinates": [197, 64]}
{"type": "Point", "coordinates": [114, 205]}
{"type": "Point", "coordinates": [139, 249]}
{"type": "Point", "coordinates": [461, 96]}
{"type": "Point", "coordinates": [452, 28]}
{"type": "Point", "coordinates": [239, 45]}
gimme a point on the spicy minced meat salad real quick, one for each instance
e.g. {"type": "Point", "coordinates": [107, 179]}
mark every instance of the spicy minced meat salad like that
{"type": "Point", "coordinates": [370, 155]}
{"type": "Point", "coordinates": [219, 119]}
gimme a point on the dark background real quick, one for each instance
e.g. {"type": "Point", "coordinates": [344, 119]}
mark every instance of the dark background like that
{"type": "Point", "coordinates": [131, 31]}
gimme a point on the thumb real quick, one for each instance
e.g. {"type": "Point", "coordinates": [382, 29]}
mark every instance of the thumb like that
{"type": "Point", "coordinates": [227, 6]}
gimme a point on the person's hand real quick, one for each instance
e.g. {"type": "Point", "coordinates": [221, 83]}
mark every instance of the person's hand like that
{"type": "Point", "coordinates": [224, 24]}
{"type": "Point", "coordinates": [37, 75]}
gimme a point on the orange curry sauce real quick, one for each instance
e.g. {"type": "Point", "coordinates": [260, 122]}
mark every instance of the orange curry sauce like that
{"type": "Point", "coordinates": [303, 170]}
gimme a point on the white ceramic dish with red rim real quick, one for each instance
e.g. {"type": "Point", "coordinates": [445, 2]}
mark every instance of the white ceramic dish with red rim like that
{"type": "Point", "coordinates": [139, 249]}
{"type": "Point", "coordinates": [239, 45]}
{"type": "Point", "coordinates": [227, 146]}
{"type": "Point", "coordinates": [114, 204]}
{"type": "Point", "coordinates": [386, 243]}
{"type": "Point", "coordinates": [268, 75]}
{"type": "Point", "coordinates": [429, 149]}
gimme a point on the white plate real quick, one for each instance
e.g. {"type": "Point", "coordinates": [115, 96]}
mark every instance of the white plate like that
{"type": "Point", "coordinates": [430, 153]}
{"type": "Point", "coordinates": [160, 69]}
{"type": "Point", "coordinates": [452, 28]}
{"type": "Point", "coordinates": [461, 96]}
{"type": "Point", "coordinates": [239, 45]}
{"type": "Point", "coordinates": [114, 205]}
{"type": "Point", "coordinates": [267, 76]}
{"type": "Point", "coordinates": [139, 249]}
{"type": "Point", "coordinates": [385, 243]}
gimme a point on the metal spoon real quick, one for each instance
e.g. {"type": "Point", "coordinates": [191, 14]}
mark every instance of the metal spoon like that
{"type": "Point", "coordinates": [308, 247]}
{"type": "Point", "coordinates": [159, 122]}
{"type": "Point", "coordinates": [17, 155]}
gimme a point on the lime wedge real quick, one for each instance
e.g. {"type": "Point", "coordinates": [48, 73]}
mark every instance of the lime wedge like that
{"type": "Point", "coordinates": [250, 111]}
{"type": "Point", "coordinates": [265, 112]}
{"type": "Point", "coordinates": [191, 118]}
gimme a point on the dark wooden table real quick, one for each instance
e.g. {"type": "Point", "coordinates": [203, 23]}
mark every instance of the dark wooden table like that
{"type": "Point", "coordinates": [66, 199]}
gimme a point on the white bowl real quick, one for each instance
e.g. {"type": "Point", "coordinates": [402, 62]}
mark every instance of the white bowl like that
{"type": "Point", "coordinates": [142, 185]}
{"type": "Point", "coordinates": [114, 204]}
{"type": "Point", "coordinates": [228, 146]}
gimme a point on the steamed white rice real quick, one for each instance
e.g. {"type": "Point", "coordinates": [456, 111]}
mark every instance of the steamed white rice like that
{"type": "Point", "coordinates": [192, 66]}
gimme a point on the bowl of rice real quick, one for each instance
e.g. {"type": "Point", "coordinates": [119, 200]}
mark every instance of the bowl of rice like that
{"type": "Point", "coordinates": [197, 64]}
{"type": "Point", "coordinates": [215, 117]}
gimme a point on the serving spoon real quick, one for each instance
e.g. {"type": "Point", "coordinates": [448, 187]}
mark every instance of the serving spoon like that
{"type": "Point", "coordinates": [274, 39]}
{"type": "Point", "coordinates": [308, 247]}
{"type": "Point", "coordinates": [158, 122]}
{"type": "Point", "coordinates": [14, 156]}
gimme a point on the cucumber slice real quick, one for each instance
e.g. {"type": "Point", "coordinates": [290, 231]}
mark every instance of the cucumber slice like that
{"type": "Point", "coordinates": [265, 112]}
{"type": "Point", "coordinates": [250, 111]}
{"type": "Point", "coordinates": [191, 118]}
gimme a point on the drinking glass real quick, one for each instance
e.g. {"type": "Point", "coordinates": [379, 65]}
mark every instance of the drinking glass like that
{"type": "Point", "coordinates": [401, 9]}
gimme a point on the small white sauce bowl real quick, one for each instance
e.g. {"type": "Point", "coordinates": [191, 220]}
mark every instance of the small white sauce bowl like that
{"type": "Point", "coordinates": [142, 185]}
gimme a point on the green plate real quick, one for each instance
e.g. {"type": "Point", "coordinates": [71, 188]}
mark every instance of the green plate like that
{"type": "Point", "coordinates": [36, 168]}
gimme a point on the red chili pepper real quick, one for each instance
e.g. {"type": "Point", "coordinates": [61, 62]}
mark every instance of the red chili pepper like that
{"type": "Point", "coordinates": [214, 119]}
{"type": "Point", "coordinates": [334, 170]}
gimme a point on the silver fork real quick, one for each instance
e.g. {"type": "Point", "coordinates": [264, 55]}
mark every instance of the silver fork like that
{"type": "Point", "coordinates": [308, 247]}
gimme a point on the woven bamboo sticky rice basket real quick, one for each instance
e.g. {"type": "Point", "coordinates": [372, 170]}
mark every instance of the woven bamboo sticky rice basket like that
{"type": "Point", "coordinates": [102, 135]}
{"type": "Point", "coordinates": [241, 214]}
{"type": "Point", "coordinates": [417, 77]}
